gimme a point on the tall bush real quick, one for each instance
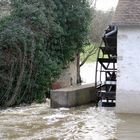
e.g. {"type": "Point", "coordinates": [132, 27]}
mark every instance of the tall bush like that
{"type": "Point", "coordinates": [37, 40]}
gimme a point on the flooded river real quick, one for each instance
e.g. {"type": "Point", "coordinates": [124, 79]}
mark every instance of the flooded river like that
{"type": "Point", "coordinates": [40, 122]}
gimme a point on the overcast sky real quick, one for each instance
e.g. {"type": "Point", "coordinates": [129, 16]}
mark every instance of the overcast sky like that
{"type": "Point", "coordinates": [106, 4]}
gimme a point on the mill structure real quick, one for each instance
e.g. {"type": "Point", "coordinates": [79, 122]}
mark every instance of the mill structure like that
{"type": "Point", "coordinates": [127, 18]}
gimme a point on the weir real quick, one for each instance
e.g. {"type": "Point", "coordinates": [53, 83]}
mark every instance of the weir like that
{"type": "Point", "coordinates": [73, 96]}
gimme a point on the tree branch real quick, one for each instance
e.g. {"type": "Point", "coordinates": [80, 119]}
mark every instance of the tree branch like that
{"type": "Point", "coordinates": [93, 51]}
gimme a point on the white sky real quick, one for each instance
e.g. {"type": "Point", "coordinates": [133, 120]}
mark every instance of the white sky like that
{"type": "Point", "coordinates": [106, 4]}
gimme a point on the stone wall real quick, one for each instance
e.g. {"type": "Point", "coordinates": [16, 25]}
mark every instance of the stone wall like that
{"type": "Point", "coordinates": [68, 77]}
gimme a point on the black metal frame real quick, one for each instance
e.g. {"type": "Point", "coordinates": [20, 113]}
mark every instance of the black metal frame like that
{"type": "Point", "coordinates": [106, 66]}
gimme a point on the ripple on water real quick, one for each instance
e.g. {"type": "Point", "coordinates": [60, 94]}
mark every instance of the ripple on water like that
{"type": "Point", "coordinates": [38, 121]}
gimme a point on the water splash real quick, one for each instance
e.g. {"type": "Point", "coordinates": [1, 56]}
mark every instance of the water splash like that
{"type": "Point", "coordinates": [38, 121]}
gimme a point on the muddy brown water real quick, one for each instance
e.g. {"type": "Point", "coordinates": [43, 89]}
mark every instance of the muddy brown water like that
{"type": "Point", "coordinates": [40, 122]}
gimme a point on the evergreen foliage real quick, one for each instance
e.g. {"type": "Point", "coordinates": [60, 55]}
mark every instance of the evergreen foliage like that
{"type": "Point", "coordinates": [37, 40]}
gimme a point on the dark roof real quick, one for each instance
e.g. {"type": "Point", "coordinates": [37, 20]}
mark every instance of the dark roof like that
{"type": "Point", "coordinates": [127, 13]}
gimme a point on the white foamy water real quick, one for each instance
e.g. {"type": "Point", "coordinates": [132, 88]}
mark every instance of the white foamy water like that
{"type": "Point", "coordinates": [40, 122]}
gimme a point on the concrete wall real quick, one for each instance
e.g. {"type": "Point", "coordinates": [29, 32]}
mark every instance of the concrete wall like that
{"type": "Point", "coordinates": [73, 96]}
{"type": "Point", "coordinates": [128, 77]}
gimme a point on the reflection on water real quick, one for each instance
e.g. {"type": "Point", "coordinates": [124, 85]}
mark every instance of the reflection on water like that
{"type": "Point", "coordinates": [128, 128]}
{"type": "Point", "coordinates": [39, 122]}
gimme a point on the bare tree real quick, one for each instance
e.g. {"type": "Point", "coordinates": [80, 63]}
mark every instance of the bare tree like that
{"type": "Point", "coordinates": [89, 53]}
{"type": "Point", "coordinates": [99, 23]}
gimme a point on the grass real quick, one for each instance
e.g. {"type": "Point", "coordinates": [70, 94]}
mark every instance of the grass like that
{"type": "Point", "coordinates": [93, 57]}
{"type": "Point", "coordinates": [86, 51]}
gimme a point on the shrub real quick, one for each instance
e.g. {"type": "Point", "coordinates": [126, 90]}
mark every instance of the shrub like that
{"type": "Point", "coordinates": [37, 40]}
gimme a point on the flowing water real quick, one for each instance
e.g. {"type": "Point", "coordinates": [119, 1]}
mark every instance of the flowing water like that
{"type": "Point", "coordinates": [40, 122]}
